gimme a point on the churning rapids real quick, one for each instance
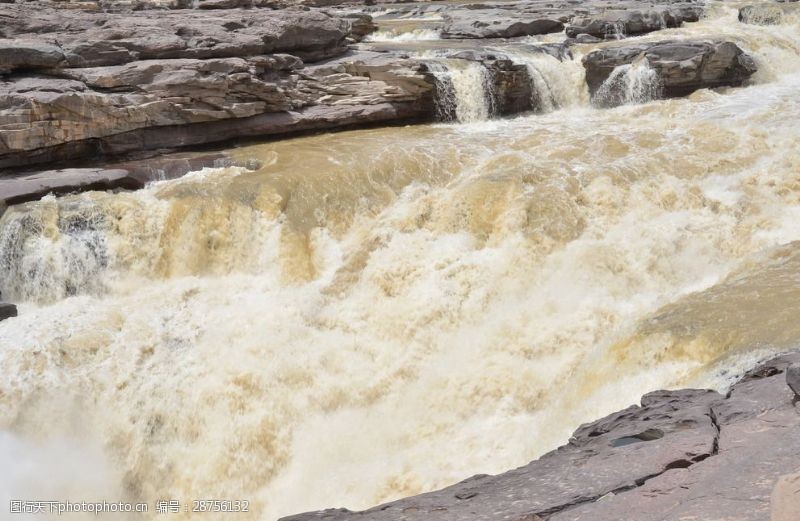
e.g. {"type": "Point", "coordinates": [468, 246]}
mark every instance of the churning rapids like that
{"type": "Point", "coordinates": [378, 313]}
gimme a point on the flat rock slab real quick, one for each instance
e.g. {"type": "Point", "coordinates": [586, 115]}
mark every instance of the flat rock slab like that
{"type": "Point", "coordinates": [130, 175]}
{"type": "Point", "coordinates": [759, 443]}
{"type": "Point", "coordinates": [497, 23]}
{"type": "Point", "coordinates": [97, 39]}
{"type": "Point", "coordinates": [682, 67]}
{"type": "Point", "coordinates": [680, 455]}
{"type": "Point", "coordinates": [81, 84]}
{"type": "Point", "coordinates": [620, 23]}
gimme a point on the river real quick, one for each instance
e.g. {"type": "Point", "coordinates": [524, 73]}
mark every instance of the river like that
{"type": "Point", "coordinates": [377, 313]}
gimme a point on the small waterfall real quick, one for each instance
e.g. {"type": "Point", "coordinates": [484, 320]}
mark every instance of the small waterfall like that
{"type": "Point", "coordinates": [631, 83]}
{"type": "Point", "coordinates": [474, 92]}
{"type": "Point", "coordinates": [615, 31]}
{"type": "Point", "coordinates": [464, 91]}
{"type": "Point", "coordinates": [415, 35]}
{"type": "Point", "coordinates": [554, 83]}
{"type": "Point", "coordinates": [445, 98]}
{"type": "Point", "coordinates": [47, 253]}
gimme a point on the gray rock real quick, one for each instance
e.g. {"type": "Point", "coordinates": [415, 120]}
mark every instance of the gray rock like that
{"type": "Point", "coordinates": [762, 14]}
{"type": "Point", "coordinates": [29, 55]}
{"type": "Point", "coordinates": [586, 38]}
{"type": "Point", "coordinates": [496, 23]}
{"type": "Point", "coordinates": [682, 67]}
{"type": "Point", "coordinates": [7, 310]}
{"type": "Point", "coordinates": [122, 82]}
{"type": "Point", "coordinates": [360, 25]}
{"type": "Point", "coordinates": [82, 83]}
{"type": "Point", "coordinates": [620, 452]}
{"type": "Point", "coordinates": [127, 175]}
{"type": "Point", "coordinates": [690, 454]}
{"type": "Point", "coordinates": [793, 379]}
{"type": "Point", "coordinates": [620, 23]}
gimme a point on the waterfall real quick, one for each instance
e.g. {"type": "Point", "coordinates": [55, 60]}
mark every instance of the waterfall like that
{"type": "Point", "coordinates": [50, 253]}
{"type": "Point", "coordinates": [554, 83]}
{"type": "Point", "coordinates": [437, 287]}
{"type": "Point", "coordinates": [464, 91]}
{"type": "Point", "coordinates": [445, 97]}
{"type": "Point", "coordinates": [381, 312]}
{"type": "Point", "coordinates": [615, 31]}
{"type": "Point", "coordinates": [631, 83]}
{"type": "Point", "coordinates": [413, 35]}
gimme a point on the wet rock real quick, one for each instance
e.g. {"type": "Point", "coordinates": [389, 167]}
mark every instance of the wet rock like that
{"type": "Point", "coordinates": [78, 83]}
{"type": "Point", "coordinates": [586, 38]}
{"type": "Point", "coordinates": [592, 465]}
{"type": "Point", "coordinates": [690, 454]}
{"type": "Point", "coordinates": [7, 310]}
{"type": "Point", "coordinates": [761, 14]}
{"type": "Point", "coordinates": [128, 175]}
{"type": "Point", "coordinates": [793, 379]}
{"type": "Point", "coordinates": [360, 26]}
{"type": "Point", "coordinates": [681, 67]}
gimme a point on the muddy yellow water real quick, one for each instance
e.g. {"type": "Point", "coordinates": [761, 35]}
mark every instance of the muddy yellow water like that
{"type": "Point", "coordinates": [378, 313]}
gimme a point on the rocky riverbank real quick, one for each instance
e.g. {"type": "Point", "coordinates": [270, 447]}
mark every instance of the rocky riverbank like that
{"type": "Point", "coordinates": [81, 81]}
{"type": "Point", "coordinates": [686, 454]}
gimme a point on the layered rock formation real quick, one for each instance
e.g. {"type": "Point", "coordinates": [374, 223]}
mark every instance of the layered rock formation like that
{"type": "Point", "coordinates": [681, 67]}
{"type": "Point", "coordinates": [79, 84]}
{"type": "Point", "coordinates": [620, 23]}
{"type": "Point", "coordinates": [499, 23]}
{"type": "Point", "coordinates": [688, 454]}
{"type": "Point", "coordinates": [124, 175]}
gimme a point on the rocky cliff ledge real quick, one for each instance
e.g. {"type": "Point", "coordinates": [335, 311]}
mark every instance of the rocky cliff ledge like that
{"type": "Point", "coordinates": [89, 81]}
{"type": "Point", "coordinates": [78, 81]}
{"type": "Point", "coordinates": [681, 455]}
{"type": "Point", "coordinates": [78, 84]}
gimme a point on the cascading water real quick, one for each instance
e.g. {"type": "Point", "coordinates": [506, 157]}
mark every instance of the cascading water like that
{"type": "Point", "coordinates": [380, 313]}
{"type": "Point", "coordinates": [465, 90]}
{"type": "Point", "coordinates": [554, 83]}
{"type": "Point", "coordinates": [636, 82]}
{"type": "Point", "coordinates": [445, 97]}
{"type": "Point", "coordinates": [413, 35]}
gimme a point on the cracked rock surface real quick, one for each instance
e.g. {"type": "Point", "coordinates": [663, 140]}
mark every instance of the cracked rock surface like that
{"type": "Point", "coordinates": [681, 455]}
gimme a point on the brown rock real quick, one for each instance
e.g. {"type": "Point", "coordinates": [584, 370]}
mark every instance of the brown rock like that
{"type": "Point", "coordinates": [682, 67]}
{"type": "Point", "coordinates": [785, 501]}
{"type": "Point", "coordinates": [127, 175]}
{"type": "Point", "coordinates": [497, 23]}
{"type": "Point", "coordinates": [688, 454]}
{"type": "Point", "coordinates": [619, 23]}
{"type": "Point", "coordinates": [121, 82]}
